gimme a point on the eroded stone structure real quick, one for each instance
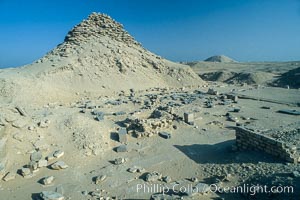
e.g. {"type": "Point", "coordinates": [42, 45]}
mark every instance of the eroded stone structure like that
{"type": "Point", "coordinates": [250, 140]}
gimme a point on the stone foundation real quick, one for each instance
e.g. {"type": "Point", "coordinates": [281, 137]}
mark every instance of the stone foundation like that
{"type": "Point", "coordinates": [148, 127]}
{"type": "Point", "coordinates": [250, 140]}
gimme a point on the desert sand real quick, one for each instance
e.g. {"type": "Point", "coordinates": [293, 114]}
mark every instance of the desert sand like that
{"type": "Point", "coordinates": [101, 117]}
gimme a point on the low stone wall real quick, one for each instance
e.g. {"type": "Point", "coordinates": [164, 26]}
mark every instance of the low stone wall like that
{"type": "Point", "coordinates": [249, 140]}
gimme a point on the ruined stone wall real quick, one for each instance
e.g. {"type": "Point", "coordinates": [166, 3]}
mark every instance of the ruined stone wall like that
{"type": "Point", "coordinates": [249, 140]}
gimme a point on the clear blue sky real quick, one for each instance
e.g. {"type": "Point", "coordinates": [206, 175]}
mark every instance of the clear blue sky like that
{"type": "Point", "coordinates": [180, 30]}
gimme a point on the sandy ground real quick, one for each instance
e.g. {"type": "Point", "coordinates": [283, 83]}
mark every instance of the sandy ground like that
{"type": "Point", "coordinates": [197, 151]}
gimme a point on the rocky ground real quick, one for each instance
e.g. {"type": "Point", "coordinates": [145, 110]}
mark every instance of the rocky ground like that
{"type": "Point", "coordinates": [75, 149]}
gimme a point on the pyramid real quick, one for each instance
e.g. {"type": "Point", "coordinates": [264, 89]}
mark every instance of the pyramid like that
{"type": "Point", "coordinates": [97, 57]}
{"type": "Point", "coordinates": [220, 58]}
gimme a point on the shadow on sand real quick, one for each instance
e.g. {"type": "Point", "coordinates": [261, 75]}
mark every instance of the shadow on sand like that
{"type": "Point", "coordinates": [221, 153]}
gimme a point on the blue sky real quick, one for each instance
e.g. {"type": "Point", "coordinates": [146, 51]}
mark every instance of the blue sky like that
{"type": "Point", "coordinates": [180, 30]}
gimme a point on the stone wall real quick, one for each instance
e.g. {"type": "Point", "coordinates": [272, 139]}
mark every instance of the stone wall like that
{"type": "Point", "coordinates": [250, 140]}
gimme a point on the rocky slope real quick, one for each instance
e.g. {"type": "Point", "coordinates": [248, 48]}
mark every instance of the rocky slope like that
{"type": "Point", "coordinates": [289, 79]}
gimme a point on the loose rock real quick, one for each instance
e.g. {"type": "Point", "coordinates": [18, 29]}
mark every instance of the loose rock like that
{"type": "Point", "coordinates": [136, 169]}
{"type": "Point", "coordinates": [165, 135]}
{"type": "Point", "coordinates": [153, 176]}
{"type": "Point", "coordinates": [42, 163]}
{"type": "Point", "coordinates": [167, 179]}
{"type": "Point", "coordinates": [50, 195]}
{"type": "Point", "coordinates": [25, 172]}
{"type": "Point", "coordinates": [36, 156]}
{"type": "Point", "coordinates": [47, 180]}
{"type": "Point", "coordinates": [100, 179]}
{"type": "Point", "coordinates": [194, 179]}
{"type": "Point", "coordinates": [119, 161]}
{"type": "Point", "coordinates": [58, 154]}
{"type": "Point", "coordinates": [122, 148]}
{"type": "Point", "coordinates": [95, 194]}
{"type": "Point", "coordinates": [59, 165]}
{"type": "Point", "coordinates": [211, 91]}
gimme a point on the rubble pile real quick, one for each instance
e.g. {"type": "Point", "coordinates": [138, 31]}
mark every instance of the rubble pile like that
{"type": "Point", "coordinates": [148, 127]}
{"type": "Point", "coordinates": [98, 25]}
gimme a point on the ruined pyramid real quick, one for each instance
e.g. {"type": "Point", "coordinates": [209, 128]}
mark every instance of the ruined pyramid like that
{"type": "Point", "coordinates": [219, 58]}
{"type": "Point", "coordinates": [97, 57]}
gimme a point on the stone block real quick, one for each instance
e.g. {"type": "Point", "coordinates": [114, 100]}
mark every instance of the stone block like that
{"type": "Point", "coordinates": [122, 148]}
{"type": "Point", "coordinates": [189, 118]}
{"type": "Point", "coordinates": [122, 135]}
{"type": "Point", "coordinates": [165, 135]}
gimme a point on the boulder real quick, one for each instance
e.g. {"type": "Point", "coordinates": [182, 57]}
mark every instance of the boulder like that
{"type": "Point", "coordinates": [100, 179]}
{"type": "Point", "coordinates": [47, 180]}
{"type": "Point", "coordinates": [59, 165]}
{"type": "Point", "coordinates": [153, 176]}
{"type": "Point", "coordinates": [50, 195]}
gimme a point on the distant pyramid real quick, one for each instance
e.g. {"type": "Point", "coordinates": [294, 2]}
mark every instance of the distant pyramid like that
{"type": "Point", "coordinates": [220, 58]}
{"type": "Point", "coordinates": [97, 57]}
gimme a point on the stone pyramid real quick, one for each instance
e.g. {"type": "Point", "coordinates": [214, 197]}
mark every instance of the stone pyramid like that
{"type": "Point", "coordinates": [220, 58]}
{"type": "Point", "coordinates": [97, 57]}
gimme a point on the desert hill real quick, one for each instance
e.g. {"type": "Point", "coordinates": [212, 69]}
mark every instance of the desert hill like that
{"type": "Point", "coordinates": [219, 58]}
{"type": "Point", "coordinates": [97, 57]}
{"type": "Point", "coordinates": [263, 73]}
{"type": "Point", "coordinates": [290, 78]}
